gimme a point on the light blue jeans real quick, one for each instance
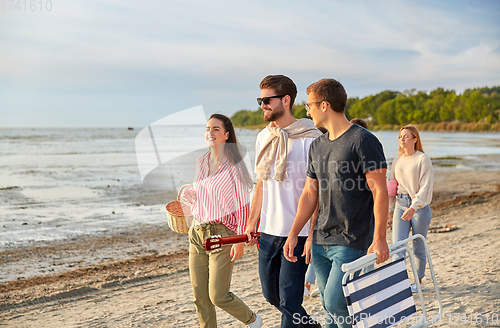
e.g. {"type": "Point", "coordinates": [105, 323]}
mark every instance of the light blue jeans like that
{"type": "Point", "coordinates": [310, 274]}
{"type": "Point", "coordinates": [419, 224]}
{"type": "Point", "coordinates": [328, 260]}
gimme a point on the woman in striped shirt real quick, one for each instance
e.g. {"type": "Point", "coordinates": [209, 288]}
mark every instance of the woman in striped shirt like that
{"type": "Point", "coordinates": [220, 206]}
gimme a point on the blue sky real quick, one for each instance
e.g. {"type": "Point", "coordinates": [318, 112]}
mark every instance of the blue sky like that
{"type": "Point", "coordinates": [111, 63]}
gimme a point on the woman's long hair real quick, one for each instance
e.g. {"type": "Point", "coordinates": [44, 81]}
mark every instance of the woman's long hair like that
{"type": "Point", "coordinates": [232, 151]}
{"type": "Point", "coordinates": [415, 134]}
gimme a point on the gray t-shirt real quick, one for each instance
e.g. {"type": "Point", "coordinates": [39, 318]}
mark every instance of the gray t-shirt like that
{"type": "Point", "coordinates": [345, 200]}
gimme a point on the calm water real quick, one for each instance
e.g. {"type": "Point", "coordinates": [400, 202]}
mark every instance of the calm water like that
{"type": "Point", "coordinates": [57, 183]}
{"type": "Point", "coordinates": [476, 151]}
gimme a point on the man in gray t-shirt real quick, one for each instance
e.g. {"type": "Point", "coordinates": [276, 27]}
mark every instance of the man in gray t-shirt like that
{"type": "Point", "coordinates": [345, 199]}
{"type": "Point", "coordinates": [346, 178]}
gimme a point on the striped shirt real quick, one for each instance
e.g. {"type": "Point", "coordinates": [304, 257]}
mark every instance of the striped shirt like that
{"type": "Point", "coordinates": [222, 196]}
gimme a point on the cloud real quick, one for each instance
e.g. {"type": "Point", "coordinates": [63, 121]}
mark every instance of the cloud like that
{"type": "Point", "coordinates": [178, 54]}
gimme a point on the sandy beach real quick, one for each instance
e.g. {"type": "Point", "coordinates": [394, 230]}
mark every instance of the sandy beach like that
{"type": "Point", "coordinates": [136, 279]}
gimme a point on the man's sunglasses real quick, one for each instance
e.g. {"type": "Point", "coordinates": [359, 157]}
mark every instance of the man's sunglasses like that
{"type": "Point", "coordinates": [267, 100]}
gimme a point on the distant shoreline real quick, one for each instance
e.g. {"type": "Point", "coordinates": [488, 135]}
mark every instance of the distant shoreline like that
{"type": "Point", "coordinates": [438, 127]}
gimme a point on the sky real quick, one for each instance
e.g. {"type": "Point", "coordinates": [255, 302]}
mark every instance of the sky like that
{"type": "Point", "coordinates": [119, 63]}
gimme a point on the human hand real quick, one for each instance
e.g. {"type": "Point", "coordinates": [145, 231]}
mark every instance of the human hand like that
{"type": "Point", "coordinates": [289, 247]}
{"type": "Point", "coordinates": [188, 195]}
{"type": "Point", "coordinates": [251, 240]}
{"type": "Point", "coordinates": [381, 248]}
{"type": "Point", "coordinates": [408, 214]}
{"type": "Point", "coordinates": [389, 220]}
{"type": "Point", "coordinates": [237, 251]}
{"type": "Point", "coordinates": [308, 250]}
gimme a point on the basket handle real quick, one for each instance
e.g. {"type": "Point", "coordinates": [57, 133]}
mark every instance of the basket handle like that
{"type": "Point", "coordinates": [180, 190]}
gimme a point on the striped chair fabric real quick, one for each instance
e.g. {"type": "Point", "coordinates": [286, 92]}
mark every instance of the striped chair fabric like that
{"type": "Point", "coordinates": [380, 298]}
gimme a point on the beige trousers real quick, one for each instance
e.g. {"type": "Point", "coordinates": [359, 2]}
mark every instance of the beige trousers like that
{"type": "Point", "coordinates": [211, 277]}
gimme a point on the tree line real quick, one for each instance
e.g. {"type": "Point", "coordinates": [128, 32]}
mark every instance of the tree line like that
{"type": "Point", "coordinates": [393, 108]}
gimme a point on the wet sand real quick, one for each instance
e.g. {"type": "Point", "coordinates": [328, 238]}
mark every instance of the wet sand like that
{"type": "Point", "coordinates": [140, 278]}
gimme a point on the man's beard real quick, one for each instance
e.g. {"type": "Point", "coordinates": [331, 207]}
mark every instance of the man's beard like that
{"type": "Point", "coordinates": [275, 114]}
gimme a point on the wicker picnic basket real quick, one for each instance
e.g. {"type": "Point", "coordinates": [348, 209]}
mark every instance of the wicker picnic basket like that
{"type": "Point", "coordinates": [179, 215]}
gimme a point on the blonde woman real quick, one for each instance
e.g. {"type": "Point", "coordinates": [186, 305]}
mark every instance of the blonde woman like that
{"type": "Point", "coordinates": [412, 169]}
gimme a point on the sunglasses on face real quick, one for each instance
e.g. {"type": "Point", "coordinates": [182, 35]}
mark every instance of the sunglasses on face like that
{"type": "Point", "coordinates": [267, 100]}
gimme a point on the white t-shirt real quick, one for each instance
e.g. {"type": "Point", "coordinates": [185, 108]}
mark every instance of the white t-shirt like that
{"type": "Point", "coordinates": [280, 199]}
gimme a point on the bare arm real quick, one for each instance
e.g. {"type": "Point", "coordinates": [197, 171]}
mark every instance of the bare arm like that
{"type": "Point", "coordinates": [314, 218]}
{"type": "Point", "coordinates": [376, 182]}
{"type": "Point", "coordinates": [307, 205]}
{"type": "Point", "coordinates": [308, 247]}
{"type": "Point", "coordinates": [254, 213]}
{"type": "Point", "coordinates": [392, 199]}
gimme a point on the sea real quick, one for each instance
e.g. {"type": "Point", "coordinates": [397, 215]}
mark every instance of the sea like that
{"type": "Point", "coordinates": [58, 183]}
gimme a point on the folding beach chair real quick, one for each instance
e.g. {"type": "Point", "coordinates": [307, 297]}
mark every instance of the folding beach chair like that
{"type": "Point", "coordinates": [383, 298]}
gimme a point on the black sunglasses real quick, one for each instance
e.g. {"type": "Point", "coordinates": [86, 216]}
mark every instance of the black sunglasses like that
{"type": "Point", "coordinates": [267, 100]}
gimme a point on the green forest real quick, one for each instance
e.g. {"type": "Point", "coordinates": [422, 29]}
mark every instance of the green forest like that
{"type": "Point", "coordinates": [474, 110]}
